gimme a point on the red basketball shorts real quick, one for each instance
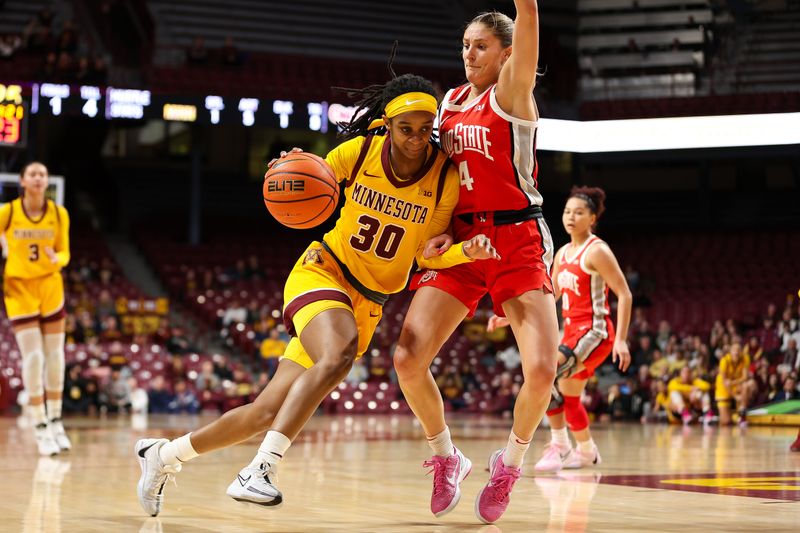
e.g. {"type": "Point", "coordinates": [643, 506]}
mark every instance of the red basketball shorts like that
{"type": "Point", "coordinates": [592, 345]}
{"type": "Point", "coordinates": [526, 251]}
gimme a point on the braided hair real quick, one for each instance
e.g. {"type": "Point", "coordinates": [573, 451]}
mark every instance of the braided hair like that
{"type": "Point", "coordinates": [375, 97]}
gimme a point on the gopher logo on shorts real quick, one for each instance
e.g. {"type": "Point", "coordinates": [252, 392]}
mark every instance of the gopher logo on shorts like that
{"type": "Point", "coordinates": [428, 276]}
{"type": "Point", "coordinates": [313, 255]}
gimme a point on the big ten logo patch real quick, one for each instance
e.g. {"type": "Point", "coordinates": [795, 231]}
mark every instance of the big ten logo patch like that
{"type": "Point", "coordinates": [313, 256]}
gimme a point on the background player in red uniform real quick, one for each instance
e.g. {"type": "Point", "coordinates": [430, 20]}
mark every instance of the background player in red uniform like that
{"type": "Point", "coordinates": [584, 270]}
{"type": "Point", "coordinates": [488, 129]}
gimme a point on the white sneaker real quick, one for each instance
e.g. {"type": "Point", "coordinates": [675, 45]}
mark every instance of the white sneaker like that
{"type": "Point", "coordinates": [59, 435]}
{"type": "Point", "coordinates": [553, 458]}
{"type": "Point", "coordinates": [578, 459]}
{"type": "Point", "coordinates": [155, 474]}
{"type": "Point", "coordinates": [257, 485]}
{"type": "Point", "coordinates": [44, 440]}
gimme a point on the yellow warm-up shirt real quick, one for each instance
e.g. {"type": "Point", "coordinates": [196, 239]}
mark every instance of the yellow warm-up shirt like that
{"type": "Point", "coordinates": [675, 384]}
{"type": "Point", "coordinates": [27, 239]}
{"type": "Point", "coordinates": [733, 371]}
{"type": "Point", "coordinates": [385, 221]}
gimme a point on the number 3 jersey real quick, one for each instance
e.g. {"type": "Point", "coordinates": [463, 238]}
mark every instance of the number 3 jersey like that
{"type": "Point", "coordinates": [494, 152]}
{"type": "Point", "coordinates": [27, 239]}
{"type": "Point", "coordinates": [385, 221]}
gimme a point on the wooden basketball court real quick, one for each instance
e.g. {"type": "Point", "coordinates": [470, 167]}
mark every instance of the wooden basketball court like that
{"type": "Point", "coordinates": [364, 474]}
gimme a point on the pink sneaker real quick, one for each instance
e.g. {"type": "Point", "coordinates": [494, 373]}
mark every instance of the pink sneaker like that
{"type": "Point", "coordinates": [553, 458]}
{"type": "Point", "coordinates": [493, 499]}
{"type": "Point", "coordinates": [448, 473]}
{"type": "Point", "coordinates": [578, 459]}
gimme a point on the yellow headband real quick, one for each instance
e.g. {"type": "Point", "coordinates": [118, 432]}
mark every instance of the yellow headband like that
{"type": "Point", "coordinates": [407, 102]}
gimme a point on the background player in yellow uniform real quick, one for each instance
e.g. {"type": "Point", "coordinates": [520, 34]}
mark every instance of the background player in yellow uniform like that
{"type": "Point", "coordinates": [400, 193]}
{"type": "Point", "coordinates": [688, 394]}
{"type": "Point", "coordinates": [730, 385]}
{"type": "Point", "coordinates": [37, 233]}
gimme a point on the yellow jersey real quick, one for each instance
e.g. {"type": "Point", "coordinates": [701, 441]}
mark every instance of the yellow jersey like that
{"type": "Point", "coordinates": [733, 371]}
{"type": "Point", "coordinates": [27, 239]}
{"type": "Point", "coordinates": [685, 389]}
{"type": "Point", "coordinates": [385, 221]}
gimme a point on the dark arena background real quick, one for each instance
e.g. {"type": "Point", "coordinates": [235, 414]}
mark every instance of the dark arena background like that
{"type": "Point", "coordinates": [156, 120]}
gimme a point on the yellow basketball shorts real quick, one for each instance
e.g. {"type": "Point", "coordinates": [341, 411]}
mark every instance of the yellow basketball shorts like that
{"type": "Point", "coordinates": [39, 298]}
{"type": "Point", "coordinates": [314, 285]}
{"type": "Point", "coordinates": [722, 394]}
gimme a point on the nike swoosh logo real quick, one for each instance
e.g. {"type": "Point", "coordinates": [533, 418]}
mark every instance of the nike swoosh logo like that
{"type": "Point", "coordinates": [144, 450]}
{"type": "Point", "coordinates": [374, 316]}
{"type": "Point", "coordinates": [410, 102]}
{"type": "Point", "coordinates": [251, 489]}
{"type": "Point", "coordinates": [370, 175]}
{"type": "Point", "coordinates": [243, 481]}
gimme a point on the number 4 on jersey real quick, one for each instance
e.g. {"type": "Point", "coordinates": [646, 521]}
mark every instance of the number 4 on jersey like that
{"type": "Point", "coordinates": [463, 173]}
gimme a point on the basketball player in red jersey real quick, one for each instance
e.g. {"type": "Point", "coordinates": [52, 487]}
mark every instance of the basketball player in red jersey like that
{"type": "Point", "coordinates": [488, 129]}
{"type": "Point", "coordinates": [583, 272]}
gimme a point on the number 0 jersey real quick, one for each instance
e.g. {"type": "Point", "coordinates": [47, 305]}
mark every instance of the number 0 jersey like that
{"type": "Point", "coordinates": [27, 239]}
{"type": "Point", "coordinates": [584, 294]}
{"type": "Point", "coordinates": [494, 152]}
{"type": "Point", "coordinates": [386, 221]}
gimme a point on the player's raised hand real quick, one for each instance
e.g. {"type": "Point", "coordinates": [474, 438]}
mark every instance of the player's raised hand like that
{"type": "Point", "coordinates": [480, 247]}
{"type": "Point", "coordinates": [497, 322]}
{"type": "Point", "coordinates": [283, 154]}
{"type": "Point", "coordinates": [437, 245]}
{"type": "Point", "coordinates": [620, 351]}
{"type": "Point", "coordinates": [51, 254]}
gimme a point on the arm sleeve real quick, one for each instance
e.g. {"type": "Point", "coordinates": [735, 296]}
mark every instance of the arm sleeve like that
{"type": "Point", "coordinates": [62, 238]}
{"type": "Point", "coordinates": [343, 158]}
{"type": "Point", "coordinates": [440, 222]}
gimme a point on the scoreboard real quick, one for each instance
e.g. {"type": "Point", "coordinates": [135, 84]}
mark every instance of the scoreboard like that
{"type": "Point", "coordinates": [117, 103]}
{"type": "Point", "coordinates": [13, 116]}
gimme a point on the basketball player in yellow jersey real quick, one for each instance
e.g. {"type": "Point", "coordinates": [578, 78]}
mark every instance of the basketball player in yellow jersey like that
{"type": "Point", "coordinates": [731, 383]}
{"type": "Point", "coordinates": [400, 193]}
{"type": "Point", "coordinates": [37, 233]}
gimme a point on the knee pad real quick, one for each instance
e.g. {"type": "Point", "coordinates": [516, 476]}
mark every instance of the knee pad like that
{"type": "Point", "coordinates": [565, 368]}
{"type": "Point", "coordinates": [54, 362]}
{"type": "Point", "coordinates": [575, 413]}
{"type": "Point", "coordinates": [30, 347]}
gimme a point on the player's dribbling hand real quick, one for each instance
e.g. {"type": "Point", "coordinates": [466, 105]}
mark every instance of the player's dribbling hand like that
{"type": "Point", "coordinates": [437, 245]}
{"type": "Point", "coordinates": [51, 254]}
{"type": "Point", "coordinates": [480, 247]}
{"type": "Point", "coordinates": [496, 322]}
{"type": "Point", "coordinates": [621, 352]}
{"type": "Point", "coordinates": [283, 154]}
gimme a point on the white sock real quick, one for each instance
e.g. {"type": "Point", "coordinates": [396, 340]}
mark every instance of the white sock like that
{"type": "Point", "coordinates": [441, 444]}
{"type": "Point", "coordinates": [561, 437]}
{"type": "Point", "coordinates": [53, 409]}
{"type": "Point", "coordinates": [515, 450]}
{"type": "Point", "coordinates": [38, 414]}
{"type": "Point", "coordinates": [272, 449]}
{"type": "Point", "coordinates": [177, 451]}
{"type": "Point", "coordinates": [586, 447]}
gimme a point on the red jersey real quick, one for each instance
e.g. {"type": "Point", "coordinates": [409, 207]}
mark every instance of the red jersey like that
{"type": "Point", "coordinates": [584, 294]}
{"type": "Point", "coordinates": [495, 153]}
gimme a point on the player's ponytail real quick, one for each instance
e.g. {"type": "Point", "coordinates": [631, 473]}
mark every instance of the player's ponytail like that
{"type": "Point", "coordinates": [375, 97]}
{"type": "Point", "coordinates": [595, 199]}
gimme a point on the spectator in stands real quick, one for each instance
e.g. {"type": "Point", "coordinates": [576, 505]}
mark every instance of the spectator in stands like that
{"type": "Point", "coordinates": [207, 380]}
{"type": "Point", "coordinates": [790, 359]}
{"type": "Point", "coordinates": [70, 329]}
{"type": "Point", "coordinates": [109, 330]}
{"type": "Point", "coordinates": [664, 335]}
{"type": "Point", "coordinates": [105, 305]}
{"type": "Point", "coordinates": [505, 395]}
{"type": "Point", "coordinates": [229, 55]}
{"type": "Point", "coordinates": [139, 398]}
{"type": "Point", "coordinates": [76, 394]}
{"type": "Point", "coordinates": [644, 353]}
{"type": "Point", "coordinates": [272, 349]}
{"type": "Point", "coordinates": [253, 312]}
{"type": "Point", "coordinates": [661, 407]}
{"type": "Point", "coordinates": [117, 359]}
{"type": "Point", "coordinates": [789, 391]}
{"type": "Point", "coordinates": [176, 369]}
{"type": "Point", "coordinates": [468, 377]}
{"type": "Point", "coordinates": [633, 277]}
{"type": "Point", "coordinates": [116, 397]}
{"type": "Point", "coordinates": [378, 367]}
{"type": "Point", "coordinates": [236, 313]}
{"type": "Point", "coordinates": [592, 399]}
{"type": "Point", "coordinates": [160, 397]}
{"type": "Point", "coordinates": [619, 402]}
{"type": "Point", "coordinates": [178, 342]}
{"type": "Point", "coordinates": [222, 367]}
{"type": "Point", "coordinates": [358, 374]}
{"type": "Point", "coordinates": [197, 54]}
{"type": "Point", "coordinates": [185, 400]}
{"type": "Point", "coordinates": [37, 35]}
{"type": "Point", "coordinates": [510, 357]}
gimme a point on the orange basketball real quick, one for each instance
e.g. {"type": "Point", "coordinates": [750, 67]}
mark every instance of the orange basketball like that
{"type": "Point", "coordinates": [301, 191]}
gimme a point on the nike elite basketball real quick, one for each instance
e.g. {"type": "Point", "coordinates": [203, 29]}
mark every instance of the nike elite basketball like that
{"type": "Point", "coordinates": [301, 191]}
